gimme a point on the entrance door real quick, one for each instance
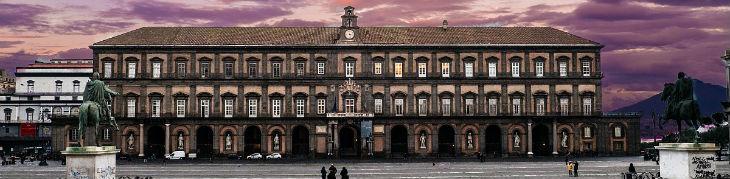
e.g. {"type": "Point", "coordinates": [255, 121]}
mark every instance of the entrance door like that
{"type": "Point", "coordinates": [493, 141]}
{"type": "Point", "coordinates": [541, 145]}
{"type": "Point", "coordinates": [204, 139]}
{"type": "Point", "coordinates": [300, 142]}
{"type": "Point", "coordinates": [155, 142]}
{"type": "Point", "coordinates": [446, 141]}
{"type": "Point", "coordinates": [252, 140]}
{"type": "Point", "coordinates": [348, 142]}
{"type": "Point", "coordinates": [399, 141]}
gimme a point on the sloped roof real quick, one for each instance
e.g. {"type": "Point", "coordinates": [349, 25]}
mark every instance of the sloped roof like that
{"type": "Point", "coordinates": [327, 36]}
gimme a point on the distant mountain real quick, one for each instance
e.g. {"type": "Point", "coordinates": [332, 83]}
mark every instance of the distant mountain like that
{"type": "Point", "coordinates": [709, 97]}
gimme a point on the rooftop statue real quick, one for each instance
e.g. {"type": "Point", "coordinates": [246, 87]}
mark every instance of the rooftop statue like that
{"type": "Point", "coordinates": [94, 109]}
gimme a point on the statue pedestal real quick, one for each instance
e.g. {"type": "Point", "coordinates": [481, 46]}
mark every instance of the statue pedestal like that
{"type": "Point", "coordinates": [686, 160]}
{"type": "Point", "coordinates": [91, 162]}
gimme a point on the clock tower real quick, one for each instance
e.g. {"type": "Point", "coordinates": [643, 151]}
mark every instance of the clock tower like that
{"type": "Point", "coordinates": [348, 30]}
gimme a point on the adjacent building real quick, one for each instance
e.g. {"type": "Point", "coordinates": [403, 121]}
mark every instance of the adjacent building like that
{"type": "Point", "coordinates": [7, 82]}
{"type": "Point", "coordinates": [44, 91]}
{"type": "Point", "coordinates": [354, 91]}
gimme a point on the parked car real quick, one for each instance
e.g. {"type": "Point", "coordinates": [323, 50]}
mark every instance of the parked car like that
{"type": "Point", "coordinates": [274, 156]}
{"type": "Point", "coordinates": [254, 156]}
{"type": "Point", "coordinates": [175, 155]}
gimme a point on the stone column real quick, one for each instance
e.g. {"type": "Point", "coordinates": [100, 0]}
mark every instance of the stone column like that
{"type": "Point", "coordinates": [529, 139]}
{"type": "Point", "coordinates": [167, 138]}
{"type": "Point", "coordinates": [141, 140]}
{"type": "Point", "coordinates": [555, 137]}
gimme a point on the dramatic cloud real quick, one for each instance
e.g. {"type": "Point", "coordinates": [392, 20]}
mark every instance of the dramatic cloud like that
{"type": "Point", "coordinates": [166, 12]}
{"type": "Point", "coordinates": [91, 27]}
{"type": "Point", "coordinates": [297, 23]}
{"type": "Point", "coordinates": [6, 44]}
{"type": "Point", "coordinates": [22, 16]}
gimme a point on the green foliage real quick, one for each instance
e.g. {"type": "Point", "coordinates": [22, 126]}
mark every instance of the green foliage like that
{"type": "Point", "coordinates": [718, 135]}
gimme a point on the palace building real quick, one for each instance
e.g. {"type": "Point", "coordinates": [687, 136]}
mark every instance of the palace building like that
{"type": "Point", "coordinates": [357, 92]}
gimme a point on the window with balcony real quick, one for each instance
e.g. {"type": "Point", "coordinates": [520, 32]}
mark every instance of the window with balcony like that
{"type": "Point", "coordinates": [252, 72]}
{"type": "Point", "coordinates": [205, 107]}
{"type": "Point", "coordinates": [564, 105]}
{"type": "Point", "coordinates": [469, 106]}
{"type": "Point", "coordinates": [299, 68]}
{"type": "Point", "coordinates": [398, 69]}
{"type": "Point", "coordinates": [228, 69]}
{"type": "Point", "coordinates": [321, 106]}
{"type": "Point", "coordinates": [492, 67]}
{"type": "Point", "coordinates": [253, 107]}
{"type": "Point", "coordinates": [204, 69]}
{"type": "Point", "coordinates": [445, 69]}
{"type": "Point", "coordinates": [131, 106]}
{"type": "Point", "coordinates": [540, 106]}
{"type": "Point", "coordinates": [156, 69]}
{"type": "Point", "coordinates": [300, 107]}
{"type": "Point", "coordinates": [378, 68]}
{"type": "Point", "coordinates": [586, 67]}
{"type": "Point", "coordinates": [107, 69]}
{"type": "Point", "coordinates": [276, 107]}
{"type": "Point", "coordinates": [493, 105]}
{"type": "Point", "coordinates": [515, 68]}
{"type": "Point", "coordinates": [563, 68]}
{"type": "Point", "coordinates": [422, 69]}
{"type": "Point", "coordinates": [398, 107]}
{"type": "Point", "coordinates": [180, 107]}
{"type": "Point", "coordinates": [350, 69]}
{"type": "Point", "coordinates": [228, 107]}
{"type": "Point", "coordinates": [516, 105]}
{"type": "Point", "coordinates": [156, 103]}
{"type": "Point", "coordinates": [587, 106]}
{"type": "Point", "coordinates": [539, 68]}
{"type": "Point", "coordinates": [131, 69]}
{"type": "Point", "coordinates": [181, 69]}
{"type": "Point", "coordinates": [378, 105]}
{"type": "Point", "coordinates": [321, 68]}
{"type": "Point", "coordinates": [276, 69]}
{"type": "Point", "coordinates": [469, 69]}
{"type": "Point", "coordinates": [446, 105]}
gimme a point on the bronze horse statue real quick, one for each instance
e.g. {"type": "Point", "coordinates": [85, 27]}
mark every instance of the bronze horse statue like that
{"type": "Point", "coordinates": [681, 104]}
{"type": "Point", "coordinates": [94, 109]}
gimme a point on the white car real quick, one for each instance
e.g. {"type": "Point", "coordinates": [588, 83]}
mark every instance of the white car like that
{"type": "Point", "coordinates": [254, 156]}
{"type": "Point", "coordinates": [274, 156]}
{"type": "Point", "coordinates": [176, 155]}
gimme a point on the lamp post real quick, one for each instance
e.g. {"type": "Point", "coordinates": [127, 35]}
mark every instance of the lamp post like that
{"type": "Point", "coordinates": [726, 105]}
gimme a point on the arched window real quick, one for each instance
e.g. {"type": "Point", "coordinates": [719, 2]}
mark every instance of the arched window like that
{"type": "Point", "coordinates": [618, 131]}
{"type": "Point", "coordinates": [588, 132]}
{"type": "Point", "coordinates": [493, 103]}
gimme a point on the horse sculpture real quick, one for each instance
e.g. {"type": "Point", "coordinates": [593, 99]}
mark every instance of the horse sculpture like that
{"type": "Point", "coordinates": [92, 112]}
{"type": "Point", "coordinates": [681, 104]}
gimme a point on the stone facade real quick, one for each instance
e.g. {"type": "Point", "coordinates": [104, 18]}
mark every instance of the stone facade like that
{"type": "Point", "coordinates": [316, 100]}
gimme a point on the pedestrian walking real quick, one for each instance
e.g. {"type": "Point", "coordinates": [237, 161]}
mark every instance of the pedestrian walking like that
{"type": "Point", "coordinates": [570, 169]}
{"type": "Point", "coordinates": [343, 173]}
{"type": "Point", "coordinates": [324, 173]}
{"type": "Point", "coordinates": [575, 168]}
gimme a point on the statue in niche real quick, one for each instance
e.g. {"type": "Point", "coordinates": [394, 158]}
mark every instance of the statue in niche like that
{"type": "Point", "coordinates": [130, 141]}
{"type": "Point", "coordinates": [469, 141]}
{"type": "Point", "coordinates": [276, 141]}
{"type": "Point", "coordinates": [516, 139]}
{"type": "Point", "coordinates": [423, 140]}
{"type": "Point", "coordinates": [180, 141]}
{"type": "Point", "coordinates": [564, 142]}
{"type": "Point", "coordinates": [228, 141]}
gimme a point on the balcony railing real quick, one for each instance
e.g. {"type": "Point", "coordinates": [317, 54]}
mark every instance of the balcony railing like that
{"type": "Point", "coordinates": [144, 76]}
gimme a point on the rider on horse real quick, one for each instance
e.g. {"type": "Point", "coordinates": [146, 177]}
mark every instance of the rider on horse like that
{"type": "Point", "coordinates": [95, 109]}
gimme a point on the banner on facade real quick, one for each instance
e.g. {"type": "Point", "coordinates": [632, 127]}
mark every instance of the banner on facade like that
{"type": "Point", "coordinates": [28, 130]}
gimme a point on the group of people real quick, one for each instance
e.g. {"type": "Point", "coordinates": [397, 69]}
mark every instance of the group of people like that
{"type": "Point", "coordinates": [22, 158]}
{"type": "Point", "coordinates": [333, 173]}
{"type": "Point", "coordinates": [572, 167]}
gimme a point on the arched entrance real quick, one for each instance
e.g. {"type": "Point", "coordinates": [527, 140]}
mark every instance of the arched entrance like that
{"type": "Point", "coordinates": [541, 140]}
{"type": "Point", "coordinates": [398, 140]}
{"type": "Point", "coordinates": [204, 140]}
{"type": "Point", "coordinates": [446, 141]}
{"type": "Point", "coordinates": [252, 140]}
{"type": "Point", "coordinates": [155, 142]}
{"type": "Point", "coordinates": [348, 142]}
{"type": "Point", "coordinates": [300, 141]}
{"type": "Point", "coordinates": [493, 140]}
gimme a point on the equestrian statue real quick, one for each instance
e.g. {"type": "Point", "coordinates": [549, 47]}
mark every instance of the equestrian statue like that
{"type": "Point", "coordinates": [682, 105]}
{"type": "Point", "coordinates": [94, 109]}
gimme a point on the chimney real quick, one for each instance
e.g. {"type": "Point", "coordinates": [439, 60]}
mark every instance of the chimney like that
{"type": "Point", "coordinates": [444, 24]}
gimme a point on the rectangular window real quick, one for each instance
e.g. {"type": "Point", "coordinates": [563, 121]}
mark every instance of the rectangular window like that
{"type": "Point", "coordinates": [228, 69]}
{"type": "Point", "coordinates": [516, 103]}
{"type": "Point", "coordinates": [320, 68]}
{"type": "Point", "coordinates": [445, 69]}
{"type": "Point", "coordinates": [469, 106]}
{"type": "Point", "coordinates": [586, 68]}
{"type": "Point", "coordinates": [378, 106]}
{"type": "Point", "coordinates": [252, 107]}
{"type": "Point", "coordinates": [515, 69]}
{"type": "Point", "coordinates": [59, 87]}
{"type": "Point", "coordinates": [349, 69]}
{"type": "Point", "coordinates": [131, 107]}
{"type": "Point", "coordinates": [180, 108]}
{"type": "Point", "coordinates": [469, 69]}
{"type": "Point", "coordinates": [156, 69]}
{"type": "Point", "coordinates": [276, 70]}
{"type": "Point", "coordinates": [131, 69]}
{"type": "Point", "coordinates": [204, 69]}
{"type": "Point", "coordinates": [349, 105]}
{"type": "Point", "coordinates": [155, 108]}
{"type": "Point", "coordinates": [205, 108]}
{"type": "Point", "coordinates": [321, 106]}
{"type": "Point", "coordinates": [7, 115]}
{"type": "Point", "coordinates": [378, 68]}
{"type": "Point", "coordinates": [31, 86]}
{"type": "Point", "coordinates": [563, 69]}
{"type": "Point", "coordinates": [398, 69]}
{"type": "Point", "coordinates": [228, 108]}
{"type": "Point", "coordinates": [540, 106]}
{"type": "Point", "coordinates": [492, 69]}
{"type": "Point", "coordinates": [77, 86]}
{"type": "Point", "coordinates": [446, 106]}
{"type": "Point", "coordinates": [300, 68]}
{"type": "Point", "coordinates": [421, 70]}
{"type": "Point", "coordinates": [252, 69]}
{"type": "Point", "coordinates": [422, 107]}
{"type": "Point", "coordinates": [276, 108]}
{"type": "Point", "coordinates": [398, 107]}
{"type": "Point", "coordinates": [492, 106]}
{"type": "Point", "coordinates": [564, 106]}
{"type": "Point", "coordinates": [587, 132]}
{"type": "Point", "coordinates": [107, 69]}
{"type": "Point", "coordinates": [29, 116]}
{"type": "Point", "coordinates": [181, 69]}
{"type": "Point", "coordinates": [300, 107]}
{"type": "Point", "coordinates": [587, 106]}
{"type": "Point", "coordinates": [539, 68]}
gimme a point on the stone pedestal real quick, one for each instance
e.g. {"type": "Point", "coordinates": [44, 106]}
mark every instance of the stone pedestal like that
{"type": "Point", "coordinates": [686, 160]}
{"type": "Point", "coordinates": [91, 162]}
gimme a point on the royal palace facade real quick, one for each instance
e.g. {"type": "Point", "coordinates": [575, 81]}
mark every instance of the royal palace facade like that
{"type": "Point", "coordinates": [353, 91]}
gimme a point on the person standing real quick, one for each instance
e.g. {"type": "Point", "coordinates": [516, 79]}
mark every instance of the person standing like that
{"type": "Point", "coordinates": [570, 169]}
{"type": "Point", "coordinates": [324, 173]}
{"type": "Point", "coordinates": [632, 170]}
{"type": "Point", "coordinates": [575, 169]}
{"type": "Point", "coordinates": [333, 172]}
{"type": "Point", "coordinates": [343, 173]}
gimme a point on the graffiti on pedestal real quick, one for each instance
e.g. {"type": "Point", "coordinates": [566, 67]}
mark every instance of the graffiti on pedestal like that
{"type": "Point", "coordinates": [106, 172]}
{"type": "Point", "coordinates": [703, 166]}
{"type": "Point", "coordinates": [78, 173]}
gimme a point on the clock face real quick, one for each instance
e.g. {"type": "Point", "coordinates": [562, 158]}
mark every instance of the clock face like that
{"type": "Point", "coordinates": [349, 34]}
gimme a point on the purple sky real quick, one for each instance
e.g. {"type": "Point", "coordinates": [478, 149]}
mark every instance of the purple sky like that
{"type": "Point", "coordinates": [647, 41]}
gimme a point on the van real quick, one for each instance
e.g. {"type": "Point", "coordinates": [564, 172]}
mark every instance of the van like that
{"type": "Point", "coordinates": [176, 155]}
